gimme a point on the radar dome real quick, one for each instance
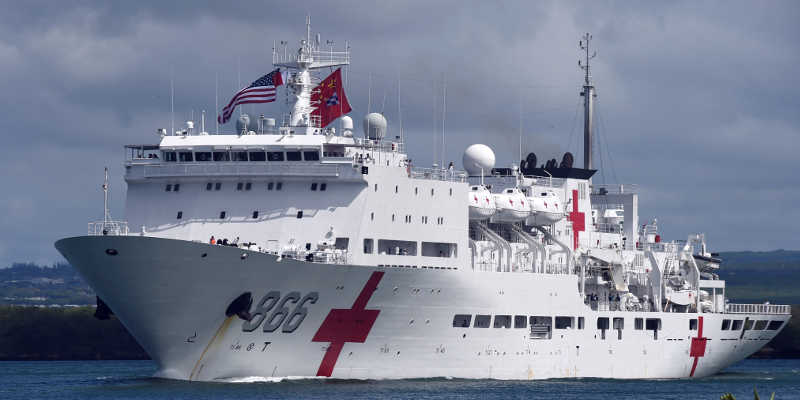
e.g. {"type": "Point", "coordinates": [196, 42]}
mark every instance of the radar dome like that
{"type": "Point", "coordinates": [246, 124]}
{"type": "Point", "coordinates": [347, 126]}
{"type": "Point", "coordinates": [478, 157]}
{"type": "Point", "coordinates": [375, 126]}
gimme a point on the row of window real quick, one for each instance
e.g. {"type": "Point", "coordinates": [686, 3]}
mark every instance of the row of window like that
{"type": "Point", "coordinates": [416, 190]}
{"type": "Point", "coordinates": [541, 326]}
{"type": "Point", "coordinates": [322, 186]}
{"type": "Point", "coordinates": [408, 218]}
{"type": "Point", "coordinates": [736, 324]}
{"type": "Point", "coordinates": [224, 214]}
{"type": "Point", "coordinates": [224, 156]}
{"type": "Point", "coordinates": [239, 186]}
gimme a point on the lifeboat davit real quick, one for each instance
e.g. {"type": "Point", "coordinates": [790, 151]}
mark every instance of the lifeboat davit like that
{"type": "Point", "coordinates": [512, 206]}
{"type": "Point", "coordinates": [481, 203]}
{"type": "Point", "coordinates": [546, 208]}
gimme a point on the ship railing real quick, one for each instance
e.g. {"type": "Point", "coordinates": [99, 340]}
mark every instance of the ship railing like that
{"type": "Point", "coordinates": [615, 189]}
{"type": "Point", "coordinates": [316, 56]}
{"type": "Point", "coordinates": [380, 145]}
{"type": "Point", "coordinates": [208, 169]}
{"type": "Point", "coordinates": [438, 174]}
{"type": "Point", "coordinates": [777, 309]}
{"type": "Point", "coordinates": [108, 228]}
{"type": "Point", "coordinates": [608, 228]}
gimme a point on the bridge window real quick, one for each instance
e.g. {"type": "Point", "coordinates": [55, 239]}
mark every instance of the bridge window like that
{"type": "Point", "coordinates": [270, 185]}
{"type": "Point", "coordinates": [221, 156]}
{"type": "Point", "coordinates": [774, 325]}
{"type": "Point", "coordinates": [185, 156]}
{"type": "Point", "coordinates": [279, 186]}
{"type": "Point", "coordinates": [693, 324]}
{"type": "Point", "coordinates": [311, 155]}
{"type": "Point", "coordinates": [180, 215]}
{"type": "Point", "coordinates": [564, 322]}
{"type": "Point", "coordinates": [760, 325]}
{"type": "Point", "coordinates": [397, 247]}
{"type": "Point", "coordinates": [168, 188]}
{"type": "Point", "coordinates": [300, 214]}
{"type": "Point", "coordinates": [462, 320]}
{"type": "Point", "coordinates": [177, 187]}
{"type": "Point", "coordinates": [342, 243]}
{"type": "Point", "coordinates": [274, 156]}
{"type": "Point", "coordinates": [726, 324]}
{"type": "Point", "coordinates": [638, 324]}
{"type": "Point", "coordinates": [436, 249]}
{"type": "Point", "coordinates": [314, 186]}
{"type": "Point", "coordinates": [368, 245]}
{"type": "Point", "coordinates": [323, 187]}
{"type": "Point", "coordinates": [170, 156]}
{"type": "Point", "coordinates": [748, 324]}
{"type": "Point", "coordinates": [218, 186]}
{"type": "Point", "coordinates": [239, 186]}
{"type": "Point", "coordinates": [619, 325]}
{"type": "Point", "coordinates": [255, 214]}
{"type": "Point", "coordinates": [602, 325]}
{"type": "Point", "coordinates": [257, 156]}
{"type": "Point", "coordinates": [653, 324]}
{"type": "Point", "coordinates": [293, 156]}
{"type": "Point", "coordinates": [541, 327]}
{"type": "Point", "coordinates": [209, 185]}
{"type": "Point", "coordinates": [222, 214]}
{"type": "Point", "coordinates": [202, 156]}
{"type": "Point", "coordinates": [520, 321]}
{"type": "Point", "coordinates": [580, 323]}
{"type": "Point", "coordinates": [248, 186]}
{"type": "Point", "coordinates": [482, 321]}
{"type": "Point", "coordinates": [239, 156]}
{"type": "Point", "coordinates": [737, 325]}
{"type": "Point", "coordinates": [502, 321]}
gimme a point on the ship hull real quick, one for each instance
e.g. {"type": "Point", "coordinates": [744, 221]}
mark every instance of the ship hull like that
{"type": "Point", "coordinates": [377, 322]}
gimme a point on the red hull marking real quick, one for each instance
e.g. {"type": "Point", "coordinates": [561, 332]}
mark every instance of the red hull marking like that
{"type": "Point", "coordinates": [698, 348]}
{"type": "Point", "coordinates": [347, 325]}
{"type": "Point", "coordinates": [578, 220]}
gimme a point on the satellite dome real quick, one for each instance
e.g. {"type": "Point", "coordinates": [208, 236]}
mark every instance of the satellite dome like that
{"type": "Point", "coordinates": [375, 126]}
{"type": "Point", "coordinates": [478, 157]}
{"type": "Point", "coordinates": [347, 126]}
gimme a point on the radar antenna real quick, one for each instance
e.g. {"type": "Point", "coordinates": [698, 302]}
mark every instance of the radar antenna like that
{"type": "Point", "coordinates": [106, 214]}
{"type": "Point", "coordinates": [588, 99]}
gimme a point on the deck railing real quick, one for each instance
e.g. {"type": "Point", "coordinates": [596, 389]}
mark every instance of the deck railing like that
{"type": "Point", "coordinates": [108, 228]}
{"type": "Point", "coordinates": [732, 308]}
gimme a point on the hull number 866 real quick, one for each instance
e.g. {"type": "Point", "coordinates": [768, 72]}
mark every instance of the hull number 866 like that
{"type": "Point", "coordinates": [273, 311]}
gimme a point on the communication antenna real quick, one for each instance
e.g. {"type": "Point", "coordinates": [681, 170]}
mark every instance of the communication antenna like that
{"type": "Point", "coordinates": [171, 101]}
{"type": "Point", "coordinates": [106, 214]}
{"type": "Point", "coordinates": [588, 99]}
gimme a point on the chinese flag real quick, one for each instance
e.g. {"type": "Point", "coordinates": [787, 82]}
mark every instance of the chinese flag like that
{"type": "Point", "coordinates": [330, 100]}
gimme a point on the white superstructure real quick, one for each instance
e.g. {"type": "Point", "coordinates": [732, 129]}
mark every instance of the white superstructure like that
{"type": "Point", "coordinates": [333, 255]}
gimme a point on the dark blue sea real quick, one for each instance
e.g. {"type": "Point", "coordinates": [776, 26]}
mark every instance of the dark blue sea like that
{"type": "Point", "coordinates": [63, 380]}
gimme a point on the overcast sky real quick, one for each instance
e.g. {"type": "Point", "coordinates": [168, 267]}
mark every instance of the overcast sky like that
{"type": "Point", "coordinates": [697, 101]}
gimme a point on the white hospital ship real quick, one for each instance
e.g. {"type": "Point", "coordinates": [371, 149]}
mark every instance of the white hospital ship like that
{"type": "Point", "coordinates": [339, 258]}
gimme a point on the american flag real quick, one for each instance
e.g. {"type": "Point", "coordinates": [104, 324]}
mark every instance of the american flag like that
{"type": "Point", "coordinates": [260, 91]}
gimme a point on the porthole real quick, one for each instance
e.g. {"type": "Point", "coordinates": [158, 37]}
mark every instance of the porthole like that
{"type": "Point", "coordinates": [112, 252]}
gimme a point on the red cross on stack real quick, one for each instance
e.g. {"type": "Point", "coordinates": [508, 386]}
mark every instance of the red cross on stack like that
{"type": "Point", "coordinates": [698, 348]}
{"type": "Point", "coordinates": [347, 325]}
{"type": "Point", "coordinates": [578, 220]}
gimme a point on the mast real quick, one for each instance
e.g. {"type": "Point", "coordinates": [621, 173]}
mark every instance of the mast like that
{"type": "Point", "coordinates": [106, 216]}
{"type": "Point", "coordinates": [308, 57]}
{"type": "Point", "coordinates": [588, 100]}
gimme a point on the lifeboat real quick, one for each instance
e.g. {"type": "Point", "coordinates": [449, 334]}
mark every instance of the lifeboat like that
{"type": "Point", "coordinates": [546, 208]}
{"type": "Point", "coordinates": [481, 203]}
{"type": "Point", "coordinates": [512, 206]}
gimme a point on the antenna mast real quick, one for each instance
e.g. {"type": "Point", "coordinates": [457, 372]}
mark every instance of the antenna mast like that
{"type": "Point", "coordinates": [106, 216]}
{"type": "Point", "coordinates": [588, 100]}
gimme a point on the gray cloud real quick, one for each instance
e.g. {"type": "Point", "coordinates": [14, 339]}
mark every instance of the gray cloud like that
{"type": "Point", "coordinates": [697, 100]}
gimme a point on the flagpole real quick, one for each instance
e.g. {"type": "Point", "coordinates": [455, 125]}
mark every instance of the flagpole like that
{"type": "Point", "coordinates": [216, 99]}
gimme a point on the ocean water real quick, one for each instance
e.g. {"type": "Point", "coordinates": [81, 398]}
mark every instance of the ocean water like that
{"type": "Point", "coordinates": [63, 380]}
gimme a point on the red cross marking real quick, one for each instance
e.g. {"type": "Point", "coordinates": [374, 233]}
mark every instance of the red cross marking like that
{"type": "Point", "coordinates": [347, 325]}
{"type": "Point", "coordinates": [698, 348]}
{"type": "Point", "coordinates": [578, 220]}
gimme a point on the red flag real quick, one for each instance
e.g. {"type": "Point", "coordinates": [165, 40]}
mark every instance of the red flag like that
{"type": "Point", "coordinates": [329, 99]}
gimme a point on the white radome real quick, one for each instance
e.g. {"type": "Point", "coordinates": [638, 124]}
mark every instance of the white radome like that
{"type": "Point", "coordinates": [375, 126]}
{"type": "Point", "coordinates": [478, 157]}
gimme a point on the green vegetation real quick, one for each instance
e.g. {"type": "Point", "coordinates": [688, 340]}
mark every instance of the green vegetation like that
{"type": "Point", "coordinates": [38, 333]}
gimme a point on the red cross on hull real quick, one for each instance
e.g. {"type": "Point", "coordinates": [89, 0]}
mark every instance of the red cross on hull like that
{"type": "Point", "coordinates": [698, 348]}
{"type": "Point", "coordinates": [578, 220]}
{"type": "Point", "coordinates": [347, 325]}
